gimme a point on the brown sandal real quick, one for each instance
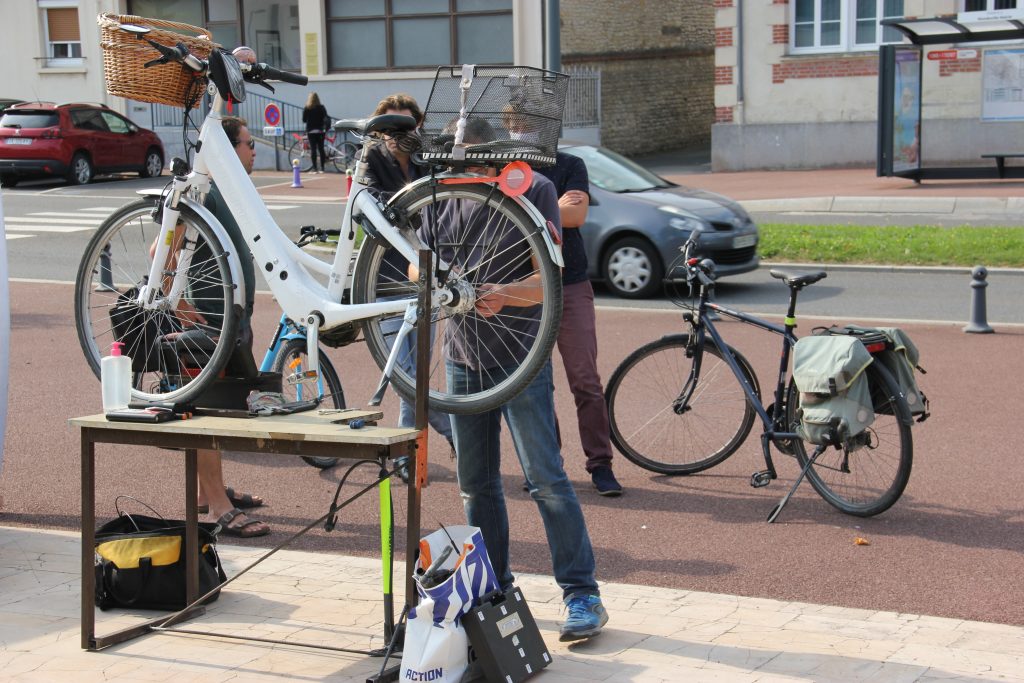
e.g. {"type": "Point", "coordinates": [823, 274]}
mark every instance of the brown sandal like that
{"type": "Point", "coordinates": [243, 530]}
{"type": "Point", "coordinates": [243, 500]}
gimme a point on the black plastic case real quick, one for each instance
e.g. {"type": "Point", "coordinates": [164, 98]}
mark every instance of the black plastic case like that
{"type": "Point", "coordinates": [505, 638]}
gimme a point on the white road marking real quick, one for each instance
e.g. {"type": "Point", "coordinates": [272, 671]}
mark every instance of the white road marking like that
{"type": "Point", "coordinates": [17, 225]}
{"type": "Point", "coordinates": [14, 237]}
{"type": "Point", "coordinates": [281, 207]}
{"type": "Point", "coordinates": [59, 217]}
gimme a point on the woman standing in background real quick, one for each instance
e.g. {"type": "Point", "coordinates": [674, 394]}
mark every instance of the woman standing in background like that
{"type": "Point", "coordinates": [314, 115]}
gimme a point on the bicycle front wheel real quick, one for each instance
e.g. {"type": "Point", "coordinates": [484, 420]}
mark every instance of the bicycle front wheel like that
{"type": "Point", "coordinates": [291, 358]}
{"type": "Point", "coordinates": [343, 156]}
{"type": "Point", "coordinates": [868, 475]}
{"type": "Point", "coordinates": [174, 357]}
{"type": "Point", "coordinates": [490, 244]}
{"type": "Point", "coordinates": [652, 429]}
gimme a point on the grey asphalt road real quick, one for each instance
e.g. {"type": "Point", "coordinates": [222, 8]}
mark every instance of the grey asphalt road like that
{"type": "Point", "coordinates": [48, 246]}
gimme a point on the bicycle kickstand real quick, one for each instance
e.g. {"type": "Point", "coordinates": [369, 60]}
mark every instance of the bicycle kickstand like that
{"type": "Point", "coordinates": [785, 499]}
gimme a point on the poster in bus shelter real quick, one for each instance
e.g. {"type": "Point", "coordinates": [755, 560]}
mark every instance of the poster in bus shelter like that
{"type": "Point", "coordinates": [1002, 84]}
{"type": "Point", "coordinates": [906, 111]}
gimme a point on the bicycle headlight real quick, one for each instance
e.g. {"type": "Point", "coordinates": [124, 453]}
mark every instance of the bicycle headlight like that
{"type": "Point", "coordinates": [681, 219]}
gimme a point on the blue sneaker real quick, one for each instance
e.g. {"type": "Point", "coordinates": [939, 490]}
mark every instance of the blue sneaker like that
{"type": "Point", "coordinates": [586, 617]}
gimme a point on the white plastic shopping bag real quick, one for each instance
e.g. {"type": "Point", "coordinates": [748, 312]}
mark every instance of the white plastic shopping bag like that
{"type": "Point", "coordinates": [436, 646]}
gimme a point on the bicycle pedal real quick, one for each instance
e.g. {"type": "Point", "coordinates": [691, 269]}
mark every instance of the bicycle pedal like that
{"type": "Point", "coordinates": [302, 377]}
{"type": "Point", "coordinates": [761, 479]}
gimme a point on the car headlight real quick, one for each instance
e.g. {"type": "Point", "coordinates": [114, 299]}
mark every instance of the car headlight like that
{"type": "Point", "coordinates": [682, 219]}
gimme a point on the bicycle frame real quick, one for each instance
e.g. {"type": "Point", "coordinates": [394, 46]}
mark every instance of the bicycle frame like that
{"type": "Point", "coordinates": [704, 324]}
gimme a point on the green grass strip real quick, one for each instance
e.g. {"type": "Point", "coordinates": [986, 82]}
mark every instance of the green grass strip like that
{"type": "Point", "coordinates": [919, 245]}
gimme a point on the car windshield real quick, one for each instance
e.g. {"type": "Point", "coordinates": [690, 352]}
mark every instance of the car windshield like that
{"type": "Point", "coordinates": [614, 172]}
{"type": "Point", "coordinates": [29, 119]}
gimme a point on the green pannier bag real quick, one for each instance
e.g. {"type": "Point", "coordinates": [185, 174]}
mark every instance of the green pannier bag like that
{"type": "Point", "coordinates": [835, 398]}
{"type": "Point", "coordinates": [900, 359]}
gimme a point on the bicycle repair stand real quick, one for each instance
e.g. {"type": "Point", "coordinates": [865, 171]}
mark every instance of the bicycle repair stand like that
{"type": "Point", "coordinates": [417, 466]}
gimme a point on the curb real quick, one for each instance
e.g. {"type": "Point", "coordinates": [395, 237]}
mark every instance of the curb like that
{"type": "Point", "coordinates": [879, 268]}
{"type": "Point", "coordinates": [943, 206]}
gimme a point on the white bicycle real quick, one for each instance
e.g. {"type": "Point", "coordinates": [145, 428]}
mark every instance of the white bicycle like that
{"type": "Point", "coordinates": [178, 307]}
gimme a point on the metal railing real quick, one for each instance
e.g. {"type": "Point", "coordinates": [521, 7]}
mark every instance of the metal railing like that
{"type": "Point", "coordinates": [164, 116]}
{"type": "Point", "coordinates": [583, 100]}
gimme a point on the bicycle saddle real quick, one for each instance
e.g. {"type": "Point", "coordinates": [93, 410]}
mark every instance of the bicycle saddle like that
{"type": "Point", "coordinates": [385, 123]}
{"type": "Point", "coordinates": [798, 280]}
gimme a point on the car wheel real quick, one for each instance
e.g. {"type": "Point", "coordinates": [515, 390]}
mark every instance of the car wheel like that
{"type": "Point", "coordinates": [81, 170]}
{"type": "Point", "coordinates": [8, 181]}
{"type": "Point", "coordinates": [632, 268]}
{"type": "Point", "coordinates": [154, 165]}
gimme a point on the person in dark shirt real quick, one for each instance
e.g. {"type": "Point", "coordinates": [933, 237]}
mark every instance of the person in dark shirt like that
{"type": "Point", "coordinates": [223, 504]}
{"type": "Point", "coordinates": [577, 336]}
{"type": "Point", "coordinates": [478, 355]}
{"type": "Point", "coordinates": [314, 115]}
{"type": "Point", "coordinates": [390, 169]}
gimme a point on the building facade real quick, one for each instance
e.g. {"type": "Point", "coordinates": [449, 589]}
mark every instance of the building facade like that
{"type": "Point", "coordinates": [796, 84]}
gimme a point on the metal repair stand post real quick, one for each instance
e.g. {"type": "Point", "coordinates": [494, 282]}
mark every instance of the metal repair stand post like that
{"type": "Point", "coordinates": [417, 465]}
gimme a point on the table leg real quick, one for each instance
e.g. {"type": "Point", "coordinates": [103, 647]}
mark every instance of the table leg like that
{"type": "Point", "coordinates": [191, 526]}
{"type": "Point", "coordinates": [412, 531]}
{"type": "Point", "coordinates": [88, 541]}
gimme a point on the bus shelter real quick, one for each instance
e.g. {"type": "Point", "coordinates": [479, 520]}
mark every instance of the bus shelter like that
{"type": "Point", "coordinates": [901, 145]}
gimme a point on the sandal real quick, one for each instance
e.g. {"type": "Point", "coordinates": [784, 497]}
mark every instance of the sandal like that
{"type": "Point", "coordinates": [243, 530]}
{"type": "Point", "coordinates": [243, 500]}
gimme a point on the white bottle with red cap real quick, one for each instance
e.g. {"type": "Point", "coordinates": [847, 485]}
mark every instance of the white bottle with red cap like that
{"type": "Point", "coordinates": [116, 378]}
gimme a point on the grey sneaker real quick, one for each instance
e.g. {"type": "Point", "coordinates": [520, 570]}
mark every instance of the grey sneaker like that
{"type": "Point", "coordinates": [586, 617]}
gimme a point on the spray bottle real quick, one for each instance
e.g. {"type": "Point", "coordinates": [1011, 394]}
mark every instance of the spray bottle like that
{"type": "Point", "coordinates": [116, 378]}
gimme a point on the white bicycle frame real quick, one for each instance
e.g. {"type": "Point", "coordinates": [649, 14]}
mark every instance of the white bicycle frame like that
{"type": "Point", "coordinates": [287, 269]}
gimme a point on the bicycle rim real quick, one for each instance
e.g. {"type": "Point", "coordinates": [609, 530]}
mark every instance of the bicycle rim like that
{"type": "Point", "coordinates": [173, 360]}
{"type": "Point", "coordinates": [642, 396]}
{"type": "Point", "coordinates": [292, 358]}
{"type": "Point", "coordinates": [299, 150]}
{"type": "Point", "coordinates": [492, 240]}
{"type": "Point", "coordinates": [869, 474]}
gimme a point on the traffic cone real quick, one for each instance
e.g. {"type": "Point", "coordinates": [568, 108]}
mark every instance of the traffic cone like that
{"type": "Point", "coordinates": [296, 174]}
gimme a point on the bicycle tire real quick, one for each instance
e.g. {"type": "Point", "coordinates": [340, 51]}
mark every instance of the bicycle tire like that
{"type": "Point", "coordinates": [343, 156]}
{"type": "Point", "coordinates": [300, 150]}
{"type": "Point", "coordinates": [645, 427]}
{"type": "Point", "coordinates": [377, 279]}
{"type": "Point", "coordinates": [296, 348]}
{"type": "Point", "coordinates": [877, 474]}
{"type": "Point", "coordinates": [178, 370]}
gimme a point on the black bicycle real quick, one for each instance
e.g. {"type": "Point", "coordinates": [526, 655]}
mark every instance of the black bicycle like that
{"type": "Point", "coordinates": [686, 402]}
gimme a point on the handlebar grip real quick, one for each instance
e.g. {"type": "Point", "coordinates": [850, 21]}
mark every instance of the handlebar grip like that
{"type": "Point", "coordinates": [269, 73]}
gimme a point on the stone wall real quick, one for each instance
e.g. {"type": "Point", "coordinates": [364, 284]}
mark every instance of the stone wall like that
{"type": "Point", "coordinates": [657, 69]}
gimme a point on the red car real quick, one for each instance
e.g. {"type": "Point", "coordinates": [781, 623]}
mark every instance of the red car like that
{"type": "Point", "coordinates": [76, 141]}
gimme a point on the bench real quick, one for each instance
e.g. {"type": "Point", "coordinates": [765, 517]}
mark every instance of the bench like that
{"type": "Point", "coordinates": [1001, 161]}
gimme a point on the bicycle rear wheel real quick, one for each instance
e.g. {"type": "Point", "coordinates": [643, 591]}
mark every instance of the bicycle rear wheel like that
{"type": "Point", "coordinates": [300, 150]}
{"type": "Point", "coordinates": [643, 396]}
{"type": "Point", "coordinates": [488, 239]}
{"type": "Point", "coordinates": [868, 475]}
{"type": "Point", "coordinates": [173, 359]}
{"type": "Point", "coordinates": [292, 358]}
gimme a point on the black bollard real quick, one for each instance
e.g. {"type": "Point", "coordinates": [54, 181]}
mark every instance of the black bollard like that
{"type": "Point", "coordinates": [978, 324]}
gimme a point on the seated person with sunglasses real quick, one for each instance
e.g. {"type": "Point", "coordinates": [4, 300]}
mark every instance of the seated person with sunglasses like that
{"type": "Point", "coordinates": [222, 503]}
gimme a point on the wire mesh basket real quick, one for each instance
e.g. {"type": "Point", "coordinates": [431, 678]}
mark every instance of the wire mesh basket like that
{"type": "Point", "coordinates": [124, 55]}
{"type": "Point", "coordinates": [512, 113]}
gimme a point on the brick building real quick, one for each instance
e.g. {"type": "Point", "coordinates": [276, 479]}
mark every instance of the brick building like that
{"type": "Point", "coordinates": [796, 84]}
{"type": "Point", "coordinates": [656, 59]}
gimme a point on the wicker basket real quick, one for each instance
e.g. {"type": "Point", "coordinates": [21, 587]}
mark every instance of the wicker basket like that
{"type": "Point", "coordinates": [124, 55]}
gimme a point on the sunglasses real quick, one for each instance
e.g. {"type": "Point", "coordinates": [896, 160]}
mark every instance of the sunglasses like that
{"type": "Point", "coordinates": [250, 142]}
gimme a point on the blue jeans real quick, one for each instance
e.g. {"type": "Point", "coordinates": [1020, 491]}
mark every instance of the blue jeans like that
{"type": "Point", "coordinates": [531, 422]}
{"type": "Point", "coordinates": [407, 361]}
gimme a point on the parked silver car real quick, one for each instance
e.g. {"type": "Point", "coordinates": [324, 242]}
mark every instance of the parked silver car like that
{"type": "Point", "coordinates": [638, 220]}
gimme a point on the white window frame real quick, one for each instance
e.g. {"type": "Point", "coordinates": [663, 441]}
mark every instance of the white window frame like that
{"type": "Point", "coordinates": [50, 60]}
{"type": "Point", "coordinates": [847, 30]}
{"type": "Point", "coordinates": [990, 12]}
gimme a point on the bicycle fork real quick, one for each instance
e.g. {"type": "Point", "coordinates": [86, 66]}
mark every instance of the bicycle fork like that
{"type": "Point", "coordinates": [408, 325]}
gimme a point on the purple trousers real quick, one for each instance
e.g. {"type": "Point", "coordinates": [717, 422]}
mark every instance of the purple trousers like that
{"type": "Point", "coordinates": [577, 344]}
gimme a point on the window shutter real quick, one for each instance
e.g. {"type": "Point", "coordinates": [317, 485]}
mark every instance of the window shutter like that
{"type": "Point", "coordinates": [63, 25]}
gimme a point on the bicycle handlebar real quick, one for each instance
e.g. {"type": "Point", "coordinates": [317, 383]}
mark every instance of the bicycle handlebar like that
{"type": "Point", "coordinates": [265, 72]}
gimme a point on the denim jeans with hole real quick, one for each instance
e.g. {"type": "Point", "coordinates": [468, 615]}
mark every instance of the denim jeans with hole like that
{"type": "Point", "coordinates": [531, 422]}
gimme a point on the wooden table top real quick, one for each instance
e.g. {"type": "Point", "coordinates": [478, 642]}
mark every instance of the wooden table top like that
{"type": "Point", "coordinates": [307, 426]}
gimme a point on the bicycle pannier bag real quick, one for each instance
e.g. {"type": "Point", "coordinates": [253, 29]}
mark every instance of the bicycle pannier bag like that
{"type": "Point", "coordinates": [835, 398]}
{"type": "Point", "coordinates": [900, 359]}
